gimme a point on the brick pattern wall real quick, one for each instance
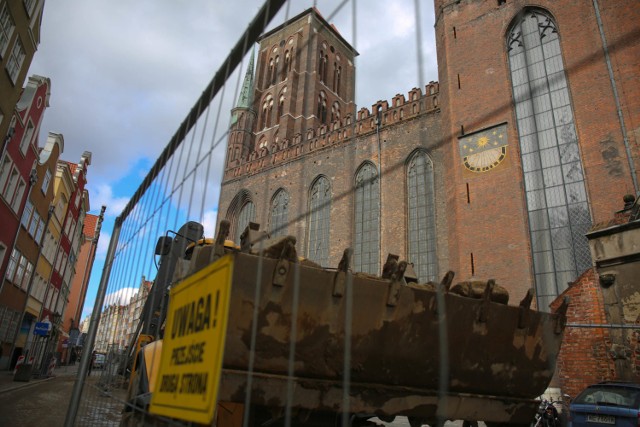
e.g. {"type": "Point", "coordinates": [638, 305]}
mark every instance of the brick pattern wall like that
{"type": "Point", "coordinates": [584, 357]}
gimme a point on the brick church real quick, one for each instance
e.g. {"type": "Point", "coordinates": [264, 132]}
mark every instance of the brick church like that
{"type": "Point", "coordinates": [496, 171]}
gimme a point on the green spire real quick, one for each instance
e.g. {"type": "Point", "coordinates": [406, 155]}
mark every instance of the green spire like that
{"type": "Point", "coordinates": [246, 93]}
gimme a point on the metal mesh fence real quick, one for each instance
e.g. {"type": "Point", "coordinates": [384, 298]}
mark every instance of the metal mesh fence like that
{"type": "Point", "coordinates": [180, 188]}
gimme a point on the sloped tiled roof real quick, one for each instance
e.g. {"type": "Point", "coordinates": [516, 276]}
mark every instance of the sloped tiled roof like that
{"type": "Point", "coordinates": [90, 222]}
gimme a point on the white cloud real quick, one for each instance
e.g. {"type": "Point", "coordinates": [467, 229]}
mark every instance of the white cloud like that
{"type": "Point", "coordinates": [120, 297]}
{"type": "Point", "coordinates": [209, 223]}
{"type": "Point", "coordinates": [102, 194]}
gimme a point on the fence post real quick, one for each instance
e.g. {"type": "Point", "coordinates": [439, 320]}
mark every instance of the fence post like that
{"type": "Point", "coordinates": [74, 403]}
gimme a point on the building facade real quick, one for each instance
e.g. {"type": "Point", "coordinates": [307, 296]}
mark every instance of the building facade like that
{"type": "Point", "coordinates": [111, 333]}
{"type": "Point", "coordinates": [35, 218]}
{"type": "Point", "coordinates": [19, 167]}
{"type": "Point", "coordinates": [20, 22]}
{"type": "Point", "coordinates": [557, 76]}
{"type": "Point", "coordinates": [497, 171]}
{"type": "Point", "coordinates": [71, 317]}
{"type": "Point", "coordinates": [70, 208]}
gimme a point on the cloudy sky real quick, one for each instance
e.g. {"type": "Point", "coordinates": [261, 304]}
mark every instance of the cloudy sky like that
{"type": "Point", "coordinates": [125, 74]}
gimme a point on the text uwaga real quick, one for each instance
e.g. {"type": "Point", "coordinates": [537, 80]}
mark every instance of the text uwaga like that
{"type": "Point", "coordinates": [189, 319]}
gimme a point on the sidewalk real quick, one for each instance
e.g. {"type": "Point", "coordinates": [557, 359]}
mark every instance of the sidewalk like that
{"type": "Point", "coordinates": [7, 383]}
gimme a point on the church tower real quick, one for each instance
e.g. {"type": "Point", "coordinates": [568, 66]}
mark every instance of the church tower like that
{"type": "Point", "coordinates": [539, 139]}
{"type": "Point", "coordinates": [305, 79]}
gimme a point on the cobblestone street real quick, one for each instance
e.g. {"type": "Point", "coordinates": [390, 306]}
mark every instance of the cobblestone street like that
{"type": "Point", "coordinates": [45, 402]}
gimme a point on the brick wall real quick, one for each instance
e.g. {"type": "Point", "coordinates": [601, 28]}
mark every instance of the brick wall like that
{"type": "Point", "coordinates": [584, 358]}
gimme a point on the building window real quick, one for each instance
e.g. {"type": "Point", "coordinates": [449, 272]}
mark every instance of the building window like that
{"type": "Point", "coordinates": [281, 106]}
{"type": "Point", "coordinates": [33, 226]}
{"type": "Point", "coordinates": [61, 208]}
{"type": "Point", "coordinates": [27, 137]}
{"type": "Point", "coordinates": [287, 65]}
{"type": "Point", "coordinates": [554, 185]}
{"type": "Point", "coordinates": [267, 111]}
{"type": "Point", "coordinates": [321, 67]}
{"type": "Point", "coordinates": [67, 226]}
{"type": "Point", "coordinates": [337, 71]}
{"type": "Point", "coordinates": [322, 108]}
{"type": "Point", "coordinates": [335, 112]}
{"type": "Point", "coordinates": [14, 63]}
{"type": "Point", "coordinates": [3, 251]}
{"type": "Point", "coordinates": [246, 215]}
{"type": "Point", "coordinates": [29, 5]}
{"type": "Point", "coordinates": [11, 184]}
{"type": "Point", "coordinates": [319, 221]}
{"type": "Point", "coordinates": [5, 170]}
{"type": "Point", "coordinates": [26, 214]}
{"type": "Point", "coordinates": [6, 28]}
{"type": "Point", "coordinates": [17, 196]}
{"type": "Point", "coordinates": [367, 220]}
{"type": "Point", "coordinates": [13, 264]}
{"type": "Point", "coordinates": [271, 71]}
{"type": "Point", "coordinates": [28, 271]}
{"type": "Point", "coordinates": [421, 217]}
{"type": "Point", "coordinates": [39, 230]}
{"type": "Point", "coordinates": [46, 181]}
{"type": "Point", "coordinates": [279, 213]}
{"type": "Point", "coordinates": [22, 267]}
{"type": "Point", "coordinates": [8, 323]}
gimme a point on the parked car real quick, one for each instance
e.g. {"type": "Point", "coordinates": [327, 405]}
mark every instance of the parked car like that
{"type": "Point", "coordinates": [99, 361]}
{"type": "Point", "coordinates": [606, 404]}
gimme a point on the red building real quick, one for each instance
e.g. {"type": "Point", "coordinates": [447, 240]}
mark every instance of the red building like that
{"type": "Point", "coordinates": [18, 175]}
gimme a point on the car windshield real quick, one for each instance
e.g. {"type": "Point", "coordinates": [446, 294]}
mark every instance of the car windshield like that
{"type": "Point", "coordinates": [609, 395]}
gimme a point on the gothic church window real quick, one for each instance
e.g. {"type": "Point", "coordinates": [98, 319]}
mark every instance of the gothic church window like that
{"type": "Point", "coordinates": [281, 103]}
{"type": "Point", "coordinates": [247, 214]}
{"type": "Point", "coordinates": [241, 211]}
{"type": "Point", "coordinates": [367, 220]}
{"type": "Point", "coordinates": [279, 212]}
{"type": "Point", "coordinates": [554, 185]}
{"type": "Point", "coordinates": [421, 217]}
{"type": "Point", "coordinates": [321, 66]}
{"type": "Point", "coordinates": [319, 221]}
{"type": "Point", "coordinates": [287, 64]}
{"type": "Point", "coordinates": [267, 110]}
{"type": "Point", "coordinates": [271, 71]}
{"type": "Point", "coordinates": [274, 70]}
{"type": "Point", "coordinates": [325, 69]}
{"type": "Point", "coordinates": [322, 107]}
{"type": "Point", "coordinates": [335, 112]}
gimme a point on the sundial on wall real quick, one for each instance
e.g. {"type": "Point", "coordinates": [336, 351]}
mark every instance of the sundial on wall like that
{"type": "Point", "coordinates": [484, 150]}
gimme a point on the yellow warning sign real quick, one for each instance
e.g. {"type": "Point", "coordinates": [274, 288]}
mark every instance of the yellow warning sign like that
{"type": "Point", "coordinates": [193, 345]}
